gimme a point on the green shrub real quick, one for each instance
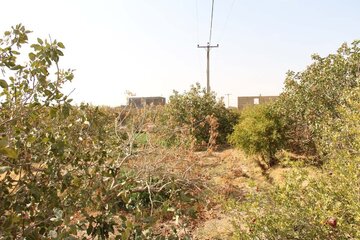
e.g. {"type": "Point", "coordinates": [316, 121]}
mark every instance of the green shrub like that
{"type": "Point", "coordinates": [320, 107]}
{"type": "Point", "coordinates": [324, 205]}
{"type": "Point", "coordinates": [62, 173]}
{"type": "Point", "coordinates": [191, 109]}
{"type": "Point", "coordinates": [311, 99]}
{"type": "Point", "coordinates": [258, 132]}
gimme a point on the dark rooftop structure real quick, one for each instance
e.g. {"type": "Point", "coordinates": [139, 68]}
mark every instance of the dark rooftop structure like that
{"type": "Point", "coordinates": [140, 102]}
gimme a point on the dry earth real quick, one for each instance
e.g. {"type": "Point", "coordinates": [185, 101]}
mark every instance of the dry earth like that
{"type": "Point", "coordinates": [230, 175]}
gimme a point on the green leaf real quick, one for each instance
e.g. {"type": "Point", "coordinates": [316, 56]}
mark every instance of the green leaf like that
{"type": "Point", "coordinates": [69, 76]}
{"type": "Point", "coordinates": [48, 93]}
{"type": "Point", "coordinates": [66, 110]}
{"type": "Point", "coordinates": [60, 53]}
{"type": "Point", "coordinates": [53, 112]}
{"type": "Point", "coordinates": [42, 80]}
{"type": "Point", "coordinates": [9, 152]}
{"type": "Point", "coordinates": [40, 41]}
{"type": "Point", "coordinates": [3, 83]}
{"type": "Point", "coordinates": [17, 67]}
{"type": "Point", "coordinates": [44, 70]}
{"type": "Point", "coordinates": [37, 47]}
{"type": "Point", "coordinates": [32, 56]}
{"type": "Point", "coordinates": [90, 229]}
{"type": "Point", "coordinates": [61, 45]}
{"type": "Point", "coordinates": [3, 143]}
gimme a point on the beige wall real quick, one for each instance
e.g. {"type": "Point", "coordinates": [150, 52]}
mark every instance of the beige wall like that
{"type": "Point", "coordinates": [140, 102]}
{"type": "Point", "coordinates": [252, 100]}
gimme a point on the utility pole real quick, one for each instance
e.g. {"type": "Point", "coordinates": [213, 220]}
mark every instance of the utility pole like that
{"type": "Point", "coordinates": [208, 47]}
{"type": "Point", "coordinates": [228, 101]}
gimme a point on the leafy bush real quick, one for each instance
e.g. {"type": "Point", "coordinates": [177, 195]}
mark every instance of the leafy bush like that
{"type": "Point", "coordinates": [321, 206]}
{"type": "Point", "coordinates": [311, 99]}
{"type": "Point", "coordinates": [63, 172]}
{"type": "Point", "coordinates": [325, 206]}
{"type": "Point", "coordinates": [191, 110]}
{"type": "Point", "coordinates": [259, 131]}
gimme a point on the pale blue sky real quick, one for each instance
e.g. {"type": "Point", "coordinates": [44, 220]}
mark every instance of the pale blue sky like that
{"type": "Point", "coordinates": [149, 46]}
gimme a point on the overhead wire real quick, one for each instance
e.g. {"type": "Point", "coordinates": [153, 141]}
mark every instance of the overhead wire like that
{"type": "Point", "coordinates": [211, 21]}
{"type": "Point", "coordinates": [227, 20]}
{"type": "Point", "coordinates": [197, 20]}
{"type": "Point", "coordinates": [198, 38]}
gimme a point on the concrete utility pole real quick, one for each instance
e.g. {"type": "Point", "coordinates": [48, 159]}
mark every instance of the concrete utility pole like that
{"type": "Point", "coordinates": [208, 47]}
{"type": "Point", "coordinates": [228, 99]}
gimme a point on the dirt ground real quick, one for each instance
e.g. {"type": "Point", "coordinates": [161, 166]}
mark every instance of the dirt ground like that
{"type": "Point", "coordinates": [231, 175]}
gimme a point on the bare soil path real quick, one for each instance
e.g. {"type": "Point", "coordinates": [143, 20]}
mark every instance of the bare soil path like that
{"type": "Point", "coordinates": [231, 175]}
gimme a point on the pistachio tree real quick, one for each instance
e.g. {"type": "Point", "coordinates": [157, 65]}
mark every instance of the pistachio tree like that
{"type": "Point", "coordinates": [62, 173]}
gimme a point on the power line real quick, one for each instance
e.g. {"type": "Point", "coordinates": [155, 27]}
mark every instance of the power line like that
{"type": "Point", "coordinates": [227, 20]}
{"type": "Point", "coordinates": [197, 20]}
{"type": "Point", "coordinates": [208, 47]}
{"type": "Point", "coordinates": [211, 20]}
{"type": "Point", "coordinates": [198, 35]}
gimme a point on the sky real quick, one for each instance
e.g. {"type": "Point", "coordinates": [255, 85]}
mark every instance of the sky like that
{"type": "Point", "coordinates": [149, 47]}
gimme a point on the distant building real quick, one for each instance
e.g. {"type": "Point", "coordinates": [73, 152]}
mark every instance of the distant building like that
{"type": "Point", "coordinates": [140, 102]}
{"type": "Point", "coordinates": [254, 100]}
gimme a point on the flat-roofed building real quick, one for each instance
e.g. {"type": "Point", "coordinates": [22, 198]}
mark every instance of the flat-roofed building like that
{"type": "Point", "coordinates": [140, 102]}
{"type": "Point", "coordinates": [254, 100]}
